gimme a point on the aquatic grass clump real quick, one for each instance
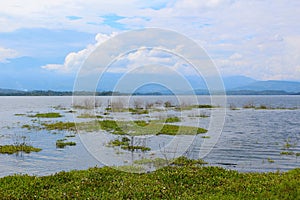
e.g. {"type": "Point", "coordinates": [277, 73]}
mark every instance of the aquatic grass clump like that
{"type": "Point", "coordinates": [19, 114]}
{"type": "Point", "coordinates": [87, 115]}
{"type": "Point", "coordinates": [70, 126]}
{"type": "Point", "coordinates": [169, 129]}
{"type": "Point", "coordinates": [141, 123]}
{"type": "Point", "coordinates": [47, 115]}
{"type": "Point", "coordinates": [123, 142]}
{"type": "Point", "coordinates": [172, 120]}
{"type": "Point", "coordinates": [138, 111]}
{"type": "Point", "coordinates": [135, 148]}
{"type": "Point", "coordinates": [62, 143]}
{"type": "Point", "coordinates": [111, 126]}
{"type": "Point", "coordinates": [11, 149]}
{"type": "Point", "coordinates": [287, 153]}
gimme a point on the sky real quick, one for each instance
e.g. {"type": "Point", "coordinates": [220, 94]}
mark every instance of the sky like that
{"type": "Point", "coordinates": [43, 44]}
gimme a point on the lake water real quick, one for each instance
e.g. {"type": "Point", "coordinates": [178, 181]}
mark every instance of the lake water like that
{"type": "Point", "coordinates": [251, 139]}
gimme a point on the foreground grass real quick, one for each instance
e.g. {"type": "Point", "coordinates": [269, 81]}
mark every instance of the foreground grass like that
{"type": "Point", "coordinates": [186, 182]}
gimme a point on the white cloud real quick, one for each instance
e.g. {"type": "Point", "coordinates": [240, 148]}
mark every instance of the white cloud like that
{"type": "Point", "coordinates": [253, 38]}
{"type": "Point", "coordinates": [74, 60]}
{"type": "Point", "coordinates": [6, 54]}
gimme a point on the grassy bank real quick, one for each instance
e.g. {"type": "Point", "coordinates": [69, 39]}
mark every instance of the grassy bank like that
{"type": "Point", "coordinates": [176, 182]}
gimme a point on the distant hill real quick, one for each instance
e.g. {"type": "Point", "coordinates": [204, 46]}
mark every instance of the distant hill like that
{"type": "Point", "coordinates": [232, 82]}
{"type": "Point", "coordinates": [234, 85]}
{"type": "Point", "coordinates": [287, 86]}
{"type": "Point", "coordinates": [9, 91]}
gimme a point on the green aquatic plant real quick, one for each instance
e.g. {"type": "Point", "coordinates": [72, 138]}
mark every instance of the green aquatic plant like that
{"type": "Point", "coordinates": [123, 142]}
{"type": "Point", "coordinates": [171, 182]}
{"type": "Point", "coordinates": [11, 149]}
{"type": "Point", "coordinates": [19, 114]}
{"type": "Point", "coordinates": [172, 120]}
{"type": "Point", "coordinates": [62, 143]}
{"type": "Point", "coordinates": [138, 111]}
{"type": "Point", "coordinates": [287, 153]}
{"type": "Point", "coordinates": [70, 126]}
{"type": "Point", "coordinates": [141, 123]}
{"type": "Point", "coordinates": [46, 115]}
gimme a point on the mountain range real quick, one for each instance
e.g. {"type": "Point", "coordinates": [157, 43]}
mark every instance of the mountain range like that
{"type": "Point", "coordinates": [234, 85]}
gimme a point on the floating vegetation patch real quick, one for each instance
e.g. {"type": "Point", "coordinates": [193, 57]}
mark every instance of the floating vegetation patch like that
{"type": "Point", "coordinates": [190, 107]}
{"type": "Point", "coordinates": [124, 143]}
{"type": "Point", "coordinates": [141, 123]}
{"type": "Point", "coordinates": [87, 115]}
{"type": "Point", "coordinates": [11, 149]}
{"type": "Point", "coordinates": [138, 111]}
{"type": "Point", "coordinates": [206, 137]}
{"type": "Point", "coordinates": [19, 114]}
{"type": "Point", "coordinates": [47, 115]}
{"type": "Point", "coordinates": [135, 148]}
{"type": "Point", "coordinates": [70, 126]}
{"type": "Point", "coordinates": [62, 143]}
{"type": "Point", "coordinates": [287, 153]}
{"type": "Point", "coordinates": [172, 120]}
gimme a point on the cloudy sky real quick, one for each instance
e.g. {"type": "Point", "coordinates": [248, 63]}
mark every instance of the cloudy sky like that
{"type": "Point", "coordinates": [44, 43]}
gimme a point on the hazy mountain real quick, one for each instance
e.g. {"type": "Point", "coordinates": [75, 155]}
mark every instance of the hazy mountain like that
{"type": "Point", "coordinates": [287, 86]}
{"type": "Point", "coordinates": [232, 82]}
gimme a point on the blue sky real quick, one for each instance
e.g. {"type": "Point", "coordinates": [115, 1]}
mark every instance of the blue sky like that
{"type": "Point", "coordinates": [43, 43]}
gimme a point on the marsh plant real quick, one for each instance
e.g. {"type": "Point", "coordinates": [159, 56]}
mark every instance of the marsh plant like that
{"type": "Point", "coordinates": [19, 146]}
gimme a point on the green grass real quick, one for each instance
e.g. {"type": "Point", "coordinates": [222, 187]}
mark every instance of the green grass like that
{"type": "Point", "coordinates": [135, 148]}
{"type": "Point", "coordinates": [141, 123]}
{"type": "Point", "coordinates": [190, 107]}
{"type": "Point", "coordinates": [60, 126]}
{"type": "Point", "coordinates": [11, 149]}
{"type": "Point", "coordinates": [19, 114]}
{"type": "Point", "coordinates": [287, 153]}
{"type": "Point", "coordinates": [172, 120]}
{"type": "Point", "coordinates": [46, 115]}
{"type": "Point", "coordinates": [139, 127]}
{"type": "Point", "coordinates": [62, 143]}
{"type": "Point", "coordinates": [87, 115]}
{"type": "Point", "coordinates": [169, 129]}
{"type": "Point", "coordinates": [123, 142]}
{"type": "Point", "coordinates": [138, 111]}
{"type": "Point", "coordinates": [173, 182]}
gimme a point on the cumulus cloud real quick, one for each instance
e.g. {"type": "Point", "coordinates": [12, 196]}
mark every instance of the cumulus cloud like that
{"type": "Point", "coordinates": [6, 54]}
{"type": "Point", "coordinates": [74, 60]}
{"type": "Point", "coordinates": [253, 38]}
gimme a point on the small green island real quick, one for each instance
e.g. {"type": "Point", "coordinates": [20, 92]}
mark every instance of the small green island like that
{"type": "Point", "coordinates": [11, 149]}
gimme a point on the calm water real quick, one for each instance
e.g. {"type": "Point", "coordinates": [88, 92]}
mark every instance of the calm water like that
{"type": "Point", "coordinates": [250, 138]}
